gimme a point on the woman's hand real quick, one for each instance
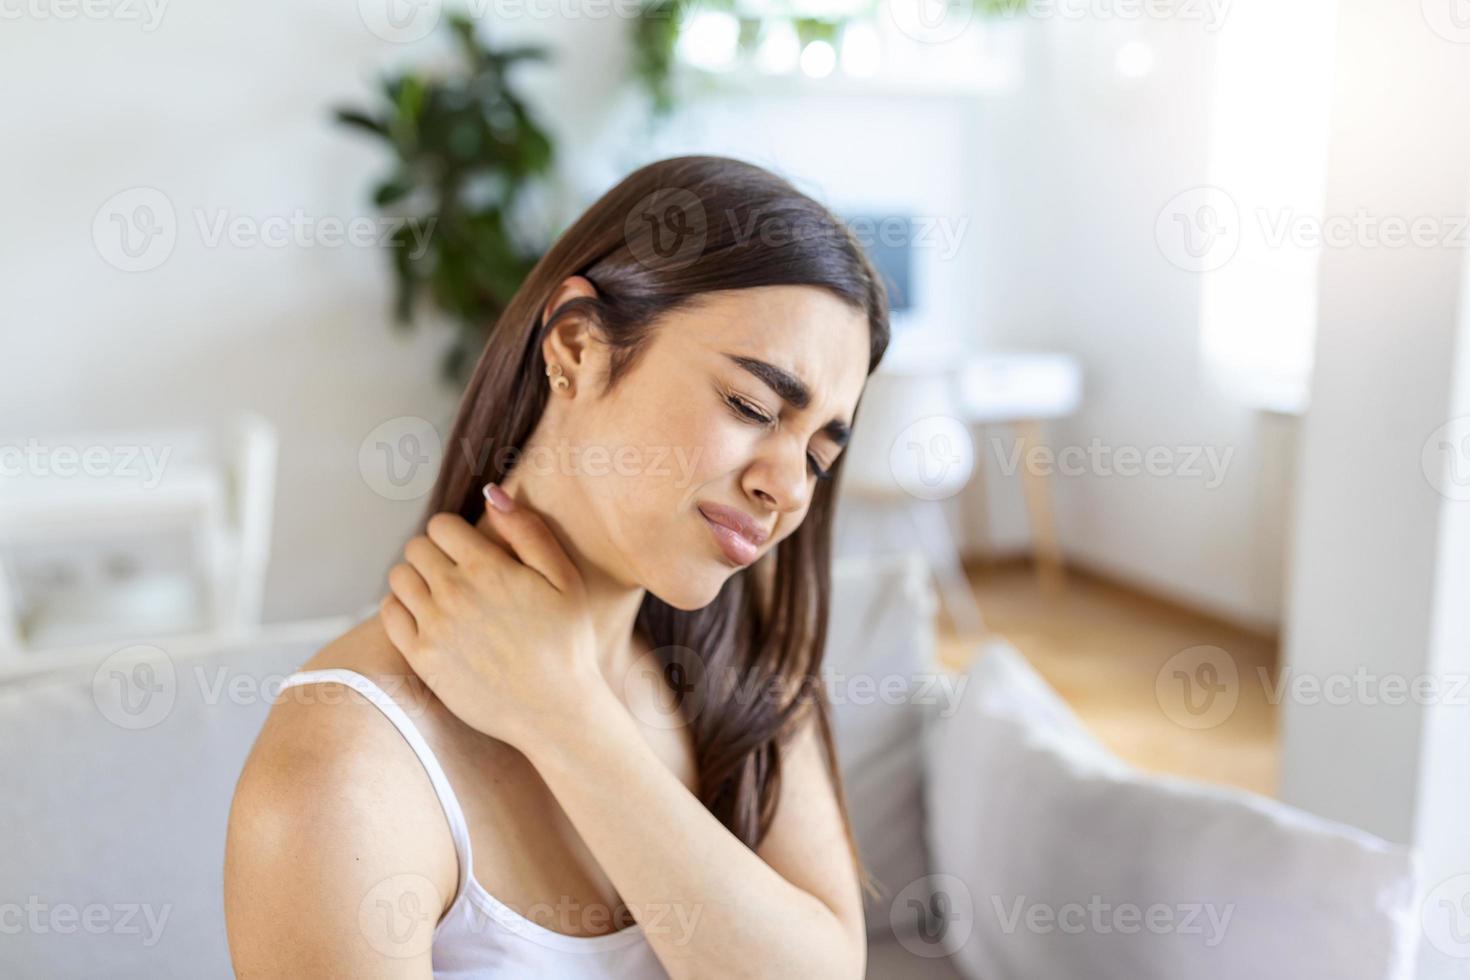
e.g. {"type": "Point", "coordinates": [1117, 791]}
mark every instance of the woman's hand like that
{"type": "Point", "coordinates": [504, 640]}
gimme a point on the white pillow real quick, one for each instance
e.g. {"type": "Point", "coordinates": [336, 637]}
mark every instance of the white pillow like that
{"type": "Point", "coordinates": [1060, 860]}
{"type": "Point", "coordinates": [879, 671]}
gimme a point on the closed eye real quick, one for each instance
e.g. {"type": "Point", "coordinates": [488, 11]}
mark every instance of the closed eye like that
{"type": "Point", "coordinates": [749, 413]}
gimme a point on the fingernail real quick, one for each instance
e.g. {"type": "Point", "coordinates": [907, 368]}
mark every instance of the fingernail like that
{"type": "Point", "coordinates": [499, 499]}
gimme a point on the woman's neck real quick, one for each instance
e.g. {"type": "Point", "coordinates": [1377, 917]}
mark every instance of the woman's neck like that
{"type": "Point", "coordinates": [613, 604]}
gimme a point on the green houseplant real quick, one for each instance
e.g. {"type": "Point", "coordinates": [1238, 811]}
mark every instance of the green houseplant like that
{"type": "Point", "coordinates": [465, 152]}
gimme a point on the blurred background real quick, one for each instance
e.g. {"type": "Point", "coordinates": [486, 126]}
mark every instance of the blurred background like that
{"type": "Point", "coordinates": [1177, 403]}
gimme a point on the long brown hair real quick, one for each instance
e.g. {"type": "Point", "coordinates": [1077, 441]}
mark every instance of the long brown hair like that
{"type": "Point", "coordinates": [666, 233]}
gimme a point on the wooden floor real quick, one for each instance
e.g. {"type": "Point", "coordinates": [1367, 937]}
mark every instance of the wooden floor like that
{"type": "Point", "coordinates": [1102, 646]}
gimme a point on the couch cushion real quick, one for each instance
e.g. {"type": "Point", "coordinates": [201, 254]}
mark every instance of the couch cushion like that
{"type": "Point", "coordinates": [880, 676]}
{"type": "Point", "coordinates": [1065, 861]}
{"type": "Point", "coordinates": [118, 777]}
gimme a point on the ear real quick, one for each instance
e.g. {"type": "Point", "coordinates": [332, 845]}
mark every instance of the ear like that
{"type": "Point", "coordinates": [567, 342]}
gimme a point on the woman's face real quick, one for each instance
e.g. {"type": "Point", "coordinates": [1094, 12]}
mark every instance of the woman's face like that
{"type": "Point", "coordinates": [727, 417]}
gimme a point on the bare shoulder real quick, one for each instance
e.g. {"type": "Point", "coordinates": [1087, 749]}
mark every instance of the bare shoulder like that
{"type": "Point", "coordinates": [331, 809]}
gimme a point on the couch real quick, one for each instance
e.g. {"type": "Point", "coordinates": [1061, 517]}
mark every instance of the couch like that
{"type": "Point", "coordinates": [975, 800]}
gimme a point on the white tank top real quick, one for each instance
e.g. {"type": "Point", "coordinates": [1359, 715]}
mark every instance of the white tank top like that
{"type": "Point", "coordinates": [479, 936]}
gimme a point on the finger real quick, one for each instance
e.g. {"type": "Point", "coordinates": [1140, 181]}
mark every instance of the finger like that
{"type": "Point", "coordinates": [426, 559]}
{"type": "Point", "coordinates": [533, 541]}
{"type": "Point", "coordinates": [461, 542]}
{"type": "Point", "coordinates": [399, 624]}
{"type": "Point", "coordinates": [410, 588]}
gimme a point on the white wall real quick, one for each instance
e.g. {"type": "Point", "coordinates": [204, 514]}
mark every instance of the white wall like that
{"type": "Point", "coordinates": [1075, 170]}
{"type": "Point", "coordinates": [225, 107]}
{"type": "Point", "coordinates": [1380, 551]}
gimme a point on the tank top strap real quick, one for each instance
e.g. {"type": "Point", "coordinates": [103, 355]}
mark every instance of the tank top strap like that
{"type": "Point", "coordinates": [395, 714]}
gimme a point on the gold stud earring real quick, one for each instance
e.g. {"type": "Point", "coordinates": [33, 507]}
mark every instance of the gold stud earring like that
{"type": "Point", "coordinates": [559, 381]}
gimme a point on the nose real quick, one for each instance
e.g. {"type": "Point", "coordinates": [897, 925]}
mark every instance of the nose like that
{"type": "Point", "coordinates": [778, 477]}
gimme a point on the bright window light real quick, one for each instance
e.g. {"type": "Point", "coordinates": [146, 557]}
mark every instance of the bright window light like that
{"type": "Point", "coordinates": [861, 51]}
{"type": "Point", "coordinates": [779, 49]}
{"type": "Point", "coordinates": [710, 41]}
{"type": "Point", "coordinates": [1268, 175]}
{"type": "Point", "coordinates": [818, 59]}
{"type": "Point", "coordinates": [1135, 59]}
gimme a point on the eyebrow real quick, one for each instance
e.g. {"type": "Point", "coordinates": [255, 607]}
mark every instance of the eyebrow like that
{"type": "Point", "coordinates": [792, 390]}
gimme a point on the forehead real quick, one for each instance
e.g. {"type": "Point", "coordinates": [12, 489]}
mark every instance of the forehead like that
{"type": "Point", "coordinates": [804, 329]}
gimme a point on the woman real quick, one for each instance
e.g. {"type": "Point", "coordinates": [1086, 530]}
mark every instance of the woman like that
{"type": "Point", "coordinates": [584, 735]}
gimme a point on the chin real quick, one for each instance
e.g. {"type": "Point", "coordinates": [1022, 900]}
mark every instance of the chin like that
{"type": "Point", "coordinates": [692, 587]}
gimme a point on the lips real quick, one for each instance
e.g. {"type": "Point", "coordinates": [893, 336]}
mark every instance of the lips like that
{"type": "Point", "coordinates": [739, 537]}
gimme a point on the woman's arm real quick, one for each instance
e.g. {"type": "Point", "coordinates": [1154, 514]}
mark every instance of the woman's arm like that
{"type": "Point", "coordinates": [709, 905]}
{"type": "Point", "coordinates": [502, 641]}
{"type": "Point", "coordinates": [337, 862]}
